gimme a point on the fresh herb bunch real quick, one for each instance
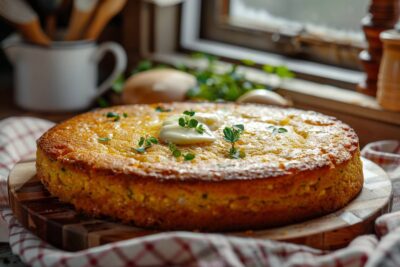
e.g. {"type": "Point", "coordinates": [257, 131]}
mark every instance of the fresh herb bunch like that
{"type": "Point", "coordinates": [177, 153]}
{"type": "Point", "coordinates": [211, 84]}
{"type": "Point", "coordinates": [229, 85]}
{"type": "Point", "coordinates": [232, 135]}
{"type": "Point", "coordinates": [187, 121]}
{"type": "Point", "coordinates": [276, 130]}
{"type": "Point", "coordinates": [145, 143]}
{"type": "Point", "coordinates": [115, 116]}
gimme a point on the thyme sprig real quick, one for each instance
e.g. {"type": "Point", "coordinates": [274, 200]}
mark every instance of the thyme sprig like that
{"type": "Point", "coordinates": [145, 143]}
{"type": "Point", "coordinates": [276, 130]}
{"type": "Point", "coordinates": [232, 135]}
{"type": "Point", "coordinates": [103, 139]}
{"type": "Point", "coordinates": [115, 116]}
{"type": "Point", "coordinates": [177, 153]}
{"type": "Point", "coordinates": [187, 121]}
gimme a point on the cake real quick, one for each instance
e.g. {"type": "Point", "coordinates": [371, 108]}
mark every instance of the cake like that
{"type": "Point", "coordinates": [286, 166]}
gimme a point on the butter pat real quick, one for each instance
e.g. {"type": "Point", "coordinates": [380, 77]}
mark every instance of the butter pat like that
{"type": "Point", "coordinates": [211, 120]}
{"type": "Point", "coordinates": [172, 132]}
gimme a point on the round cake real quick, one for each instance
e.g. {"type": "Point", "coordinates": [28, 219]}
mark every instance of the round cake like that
{"type": "Point", "coordinates": [202, 166]}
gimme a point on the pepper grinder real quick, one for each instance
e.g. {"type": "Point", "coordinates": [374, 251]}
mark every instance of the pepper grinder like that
{"type": "Point", "coordinates": [382, 15]}
{"type": "Point", "coordinates": [388, 94]}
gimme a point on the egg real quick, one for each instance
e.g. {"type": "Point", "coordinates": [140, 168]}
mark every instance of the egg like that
{"type": "Point", "coordinates": [262, 96]}
{"type": "Point", "coordinates": [158, 85]}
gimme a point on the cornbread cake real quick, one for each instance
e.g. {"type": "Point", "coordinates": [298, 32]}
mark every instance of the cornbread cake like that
{"type": "Point", "coordinates": [293, 165]}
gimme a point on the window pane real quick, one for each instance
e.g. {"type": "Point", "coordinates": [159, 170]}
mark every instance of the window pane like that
{"type": "Point", "coordinates": [337, 19]}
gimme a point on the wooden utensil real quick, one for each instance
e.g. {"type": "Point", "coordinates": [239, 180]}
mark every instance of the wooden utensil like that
{"type": "Point", "coordinates": [104, 13]}
{"type": "Point", "coordinates": [49, 9]}
{"type": "Point", "coordinates": [19, 13]}
{"type": "Point", "coordinates": [81, 14]}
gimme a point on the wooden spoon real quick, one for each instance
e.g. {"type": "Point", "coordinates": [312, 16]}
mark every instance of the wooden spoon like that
{"type": "Point", "coordinates": [81, 14]}
{"type": "Point", "coordinates": [49, 9]}
{"type": "Point", "coordinates": [104, 13]}
{"type": "Point", "coordinates": [19, 13]}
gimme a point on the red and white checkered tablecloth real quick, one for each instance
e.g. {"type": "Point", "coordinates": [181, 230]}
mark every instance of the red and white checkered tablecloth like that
{"type": "Point", "coordinates": [17, 139]}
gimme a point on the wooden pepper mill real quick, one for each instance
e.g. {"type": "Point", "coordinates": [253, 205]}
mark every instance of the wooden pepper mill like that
{"type": "Point", "coordinates": [383, 15]}
{"type": "Point", "coordinates": [389, 73]}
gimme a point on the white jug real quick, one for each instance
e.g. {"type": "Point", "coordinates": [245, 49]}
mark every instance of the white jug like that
{"type": "Point", "coordinates": [62, 77]}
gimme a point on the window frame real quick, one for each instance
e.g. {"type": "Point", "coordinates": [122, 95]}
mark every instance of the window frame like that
{"type": "Point", "coordinates": [192, 39]}
{"type": "Point", "coordinates": [217, 25]}
{"type": "Point", "coordinates": [167, 33]}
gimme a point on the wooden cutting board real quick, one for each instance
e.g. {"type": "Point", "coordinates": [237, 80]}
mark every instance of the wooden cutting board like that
{"type": "Point", "coordinates": [59, 224]}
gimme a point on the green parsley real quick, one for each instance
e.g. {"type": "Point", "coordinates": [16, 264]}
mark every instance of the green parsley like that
{"type": "Point", "coordinates": [189, 113]}
{"type": "Point", "coordinates": [104, 139]}
{"type": "Point", "coordinates": [188, 122]}
{"type": "Point", "coordinates": [188, 156]}
{"type": "Point", "coordinates": [276, 130]}
{"type": "Point", "coordinates": [162, 109]}
{"type": "Point", "coordinates": [177, 153]}
{"type": "Point", "coordinates": [115, 116]}
{"type": "Point", "coordinates": [145, 142]}
{"type": "Point", "coordinates": [232, 135]}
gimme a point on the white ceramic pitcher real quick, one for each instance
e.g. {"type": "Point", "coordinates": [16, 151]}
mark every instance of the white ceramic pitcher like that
{"type": "Point", "coordinates": [62, 77]}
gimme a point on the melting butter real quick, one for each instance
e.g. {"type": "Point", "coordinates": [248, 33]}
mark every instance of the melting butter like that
{"type": "Point", "coordinates": [172, 132]}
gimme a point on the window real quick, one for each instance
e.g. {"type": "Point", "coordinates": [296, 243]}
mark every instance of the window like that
{"type": "Point", "coordinates": [293, 33]}
{"type": "Point", "coordinates": [337, 21]}
{"type": "Point", "coordinates": [319, 30]}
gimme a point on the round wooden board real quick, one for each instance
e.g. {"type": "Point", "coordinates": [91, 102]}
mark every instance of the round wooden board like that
{"type": "Point", "coordinates": [59, 224]}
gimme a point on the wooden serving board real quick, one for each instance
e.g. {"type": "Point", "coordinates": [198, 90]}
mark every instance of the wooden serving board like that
{"type": "Point", "coordinates": [59, 224]}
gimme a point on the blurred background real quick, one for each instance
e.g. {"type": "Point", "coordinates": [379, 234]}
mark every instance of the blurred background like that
{"type": "Point", "coordinates": [315, 54]}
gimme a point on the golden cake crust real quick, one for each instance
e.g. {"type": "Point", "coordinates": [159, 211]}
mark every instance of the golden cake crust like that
{"type": "Point", "coordinates": [312, 169]}
{"type": "Point", "coordinates": [313, 141]}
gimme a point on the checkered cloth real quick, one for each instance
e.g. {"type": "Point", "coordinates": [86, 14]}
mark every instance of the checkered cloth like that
{"type": "Point", "coordinates": [17, 139]}
{"type": "Point", "coordinates": [387, 155]}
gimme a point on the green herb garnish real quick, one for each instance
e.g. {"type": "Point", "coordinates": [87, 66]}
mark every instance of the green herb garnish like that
{"type": "Point", "coordinates": [188, 156]}
{"type": "Point", "coordinates": [115, 116]}
{"type": "Point", "coordinates": [188, 121]}
{"type": "Point", "coordinates": [104, 139]}
{"type": "Point", "coordinates": [276, 130]}
{"type": "Point", "coordinates": [189, 112]}
{"type": "Point", "coordinates": [232, 135]}
{"type": "Point", "coordinates": [177, 153]}
{"type": "Point", "coordinates": [162, 109]}
{"type": "Point", "coordinates": [145, 142]}
{"type": "Point", "coordinates": [200, 129]}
